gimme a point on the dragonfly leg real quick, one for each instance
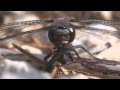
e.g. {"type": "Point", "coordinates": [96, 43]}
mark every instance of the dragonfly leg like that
{"type": "Point", "coordinates": [56, 57]}
{"type": "Point", "coordinates": [70, 56]}
{"type": "Point", "coordinates": [106, 46]}
{"type": "Point", "coordinates": [46, 57]}
{"type": "Point", "coordinates": [79, 46]}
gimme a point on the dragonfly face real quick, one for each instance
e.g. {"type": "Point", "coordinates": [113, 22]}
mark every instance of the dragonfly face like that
{"type": "Point", "coordinates": [60, 36]}
{"type": "Point", "coordinates": [61, 32]}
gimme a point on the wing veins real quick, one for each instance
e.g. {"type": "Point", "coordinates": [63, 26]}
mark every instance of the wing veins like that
{"type": "Point", "coordinates": [113, 23]}
{"type": "Point", "coordinates": [23, 33]}
{"type": "Point", "coordinates": [22, 25]}
{"type": "Point", "coordinates": [103, 31]}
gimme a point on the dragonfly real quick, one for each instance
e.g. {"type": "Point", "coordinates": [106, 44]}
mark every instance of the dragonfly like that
{"type": "Point", "coordinates": [61, 32]}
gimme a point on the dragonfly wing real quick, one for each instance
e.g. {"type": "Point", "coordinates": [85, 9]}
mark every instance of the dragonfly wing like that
{"type": "Point", "coordinates": [88, 34]}
{"type": "Point", "coordinates": [14, 35]}
{"type": "Point", "coordinates": [14, 28]}
{"type": "Point", "coordinates": [98, 31]}
{"type": "Point", "coordinates": [112, 23]}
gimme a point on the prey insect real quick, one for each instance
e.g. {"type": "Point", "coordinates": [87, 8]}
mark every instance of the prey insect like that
{"type": "Point", "coordinates": [61, 32]}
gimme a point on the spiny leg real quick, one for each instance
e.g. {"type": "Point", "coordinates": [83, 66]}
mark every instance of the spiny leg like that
{"type": "Point", "coordinates": [76, 53]}
{"type": "Point", "coordinates": [79, 46]}
{"type": "Point", "coordinates": [49, 55]}
{"type": "Point", "coordinates": [106, 46]}
{"type": "Point", "coordinates": [46, 57]}
{"type": "Point", "coordinates": [70, 56]}
{"type": "Point", "coordinates": [56, 57]}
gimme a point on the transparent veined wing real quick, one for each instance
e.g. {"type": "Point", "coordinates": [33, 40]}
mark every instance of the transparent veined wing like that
{"type": "Point", "coordinates": [85, 26]}
{"type": "Point", "coordinates": [11, 30]}
{"type": "Point", "coordinates": [112, 23]}
{"type": "Point", "coordinates": [98, 31]}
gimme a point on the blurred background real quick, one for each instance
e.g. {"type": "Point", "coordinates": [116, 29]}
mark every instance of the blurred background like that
{"type": "Point", "coordinates": [41, 46]}
{"type": "Point", "coordinates": [9, 16]}
{"type": "Point", "coordinates": [42, 43]}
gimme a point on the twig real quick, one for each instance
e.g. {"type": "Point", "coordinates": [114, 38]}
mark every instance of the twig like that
{"type": "Point", "coordinates": [30, 55]}
{"type": "Point", "coordinates": [102, 68]}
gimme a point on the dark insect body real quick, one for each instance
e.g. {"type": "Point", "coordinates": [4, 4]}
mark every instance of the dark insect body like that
{"type": "Point", "coordinates": [61, 33]}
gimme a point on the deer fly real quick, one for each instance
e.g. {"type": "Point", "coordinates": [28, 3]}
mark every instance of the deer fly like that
{"type": "Point", "coordinates": [61, 32]}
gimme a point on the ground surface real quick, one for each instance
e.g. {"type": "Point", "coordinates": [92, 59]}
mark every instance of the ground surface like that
{"type": "Point", "coordinates": [21, 69]}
